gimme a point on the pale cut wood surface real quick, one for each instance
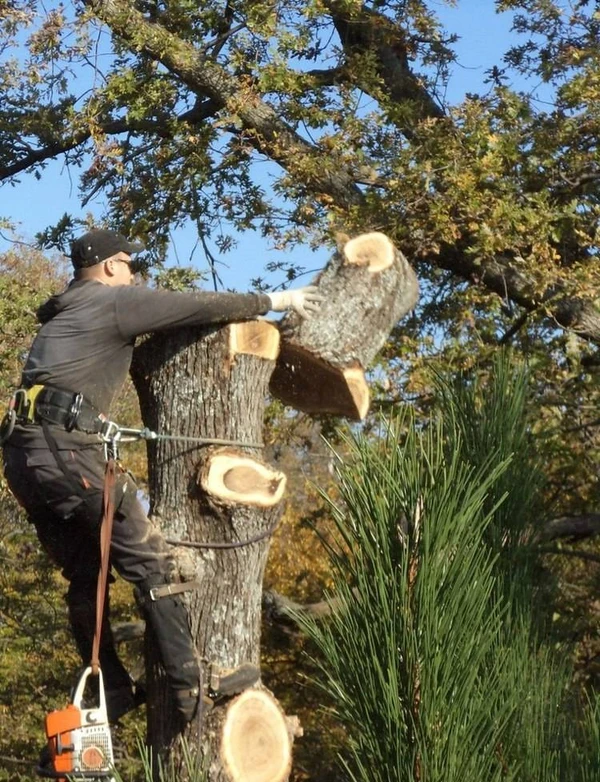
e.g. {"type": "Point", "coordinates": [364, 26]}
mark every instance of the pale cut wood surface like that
{"type": "Point", "coordinates": [231, 477]}
{"type": "Point", "coordinates": [255, 743]}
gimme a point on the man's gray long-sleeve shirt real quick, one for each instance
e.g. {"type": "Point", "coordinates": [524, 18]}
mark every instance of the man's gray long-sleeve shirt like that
{"type": "Point", "coordinates": [86, 340]}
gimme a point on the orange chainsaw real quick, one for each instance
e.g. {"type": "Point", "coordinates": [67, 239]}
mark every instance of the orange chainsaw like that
{"type": "Point", "coordinates": [79, 741]}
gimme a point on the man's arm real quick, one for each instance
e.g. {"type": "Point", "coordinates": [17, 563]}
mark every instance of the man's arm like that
{"type": "Point", "coordinates": [142, 310]}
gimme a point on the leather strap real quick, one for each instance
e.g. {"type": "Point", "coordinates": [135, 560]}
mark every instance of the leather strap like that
{"type": "Point", "coordinates": [108, 503]}
{"type": "Point", "coordinates": [166, 590]}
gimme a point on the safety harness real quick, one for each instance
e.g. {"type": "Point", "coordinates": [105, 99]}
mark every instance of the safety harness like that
{"type": "Point", "coordinates": [46, 406]}
{"type": "Point", "coordinates": [41, 404]}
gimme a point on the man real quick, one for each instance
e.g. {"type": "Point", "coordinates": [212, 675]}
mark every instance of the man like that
{"type": "Point", "coordinates": [54, 459]}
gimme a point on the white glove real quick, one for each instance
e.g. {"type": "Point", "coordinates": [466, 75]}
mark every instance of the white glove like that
{"type": "Point", "coordinates": [303, 301]}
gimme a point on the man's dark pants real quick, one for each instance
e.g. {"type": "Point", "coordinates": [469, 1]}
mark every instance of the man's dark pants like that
{"type": "Point", "coordinates": [67, 515]}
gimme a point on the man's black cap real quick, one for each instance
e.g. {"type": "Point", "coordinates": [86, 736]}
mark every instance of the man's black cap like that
{"type": "Point", "coordinates": [99, 244]}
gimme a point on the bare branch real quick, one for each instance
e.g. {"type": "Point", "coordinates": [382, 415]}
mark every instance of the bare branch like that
{"type": "Point", "coordinates": [571, 528]}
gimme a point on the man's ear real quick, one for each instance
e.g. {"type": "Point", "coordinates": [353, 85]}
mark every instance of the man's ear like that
{"type": "Point", "coordinates": [109, 267]}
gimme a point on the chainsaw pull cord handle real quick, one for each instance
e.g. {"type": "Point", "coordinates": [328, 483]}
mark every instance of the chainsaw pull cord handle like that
{"type": "Point", "coordinates": [108, 505]}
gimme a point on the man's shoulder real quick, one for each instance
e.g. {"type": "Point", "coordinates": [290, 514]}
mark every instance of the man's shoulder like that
{"type": "Point", "coordinates": [135, 291]}
{"type": "Point", "coordinates": [87, 289]}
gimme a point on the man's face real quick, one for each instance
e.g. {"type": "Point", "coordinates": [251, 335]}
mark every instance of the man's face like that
{"type": "Point", "coordinates": [120, 268]}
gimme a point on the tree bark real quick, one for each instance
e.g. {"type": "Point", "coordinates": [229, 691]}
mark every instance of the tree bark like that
{"type": "Point", "coordinates": [190, 383]}
{"type": "Point", "coordinates": [370, 33]}
{"type": "Point", "coordinates": [570, 528]}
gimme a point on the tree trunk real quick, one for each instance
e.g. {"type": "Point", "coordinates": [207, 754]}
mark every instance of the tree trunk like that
{"type": "Point", "coordinates": [201, 383]}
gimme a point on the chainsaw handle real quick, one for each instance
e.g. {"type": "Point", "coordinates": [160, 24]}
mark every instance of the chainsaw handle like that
{"type": "Point", "coordinates": [80, 689]}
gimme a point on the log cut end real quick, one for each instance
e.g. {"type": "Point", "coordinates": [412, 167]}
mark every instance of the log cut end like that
{"type": "Point", "coordinates": [307, 383]}
{"type": "Point", "coordinates": [255, 743]}
{"type": "Point", "coordinates": [254, 337]}
{"type": "Point", "coordinates": [373, 250]}
{"type": "Point", "coordinates": [235, 478]}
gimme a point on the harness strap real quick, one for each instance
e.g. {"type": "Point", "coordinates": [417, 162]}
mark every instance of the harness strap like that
{"type": "Point", "coordinates": [48, 405]}
{"type": "Point", "coordinates": [166, 590]}
{"type": "Point", "coordinates": [108, 502]}
{"type": "Point", "coordinates": [64, 408]}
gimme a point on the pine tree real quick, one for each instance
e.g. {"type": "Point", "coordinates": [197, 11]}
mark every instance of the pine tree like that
{"type": "Point", "coordinates": [437, 663]}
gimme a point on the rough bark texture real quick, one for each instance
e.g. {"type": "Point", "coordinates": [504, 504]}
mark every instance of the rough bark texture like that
{"type": "Point", "coordinates": [189, 384]}
{"type": "Point", "coordinates": [213, 382]}
{"type": "Point", "coordinates": [322, 359]}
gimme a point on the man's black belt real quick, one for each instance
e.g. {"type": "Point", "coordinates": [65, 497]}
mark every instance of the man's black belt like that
{"type": "Point", "coordinates": [61, 408]}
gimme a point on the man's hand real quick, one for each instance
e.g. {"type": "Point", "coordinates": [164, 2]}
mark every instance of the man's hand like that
{"type": "Point", "coordinates": [303, 301]}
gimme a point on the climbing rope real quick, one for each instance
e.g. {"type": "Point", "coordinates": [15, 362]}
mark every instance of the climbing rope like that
{"type": "Point", "coordinates": [229, 545]}
{"type": "Point", "coordinates": [122, 434]}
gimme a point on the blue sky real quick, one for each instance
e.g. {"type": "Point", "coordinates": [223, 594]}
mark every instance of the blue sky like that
{"type": "Point", "coordinates": [33, 205]}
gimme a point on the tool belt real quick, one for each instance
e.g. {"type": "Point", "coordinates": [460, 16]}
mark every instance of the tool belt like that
{"type": "Point", "coordinates": [45, 404]}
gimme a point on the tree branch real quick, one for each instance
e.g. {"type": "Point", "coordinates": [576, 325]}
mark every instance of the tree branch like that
{"type": "Point", "coordinates": [363, 31]}
{"type": "Point", "coordinates": [276, 608]}
{"type": "Point", "coordinates": [280, 610]}
{"type": "Point", "coordinates": [571, 528]}
{"type": "Point", "coordinates": [501, 276]}
{"type": "Point", "coordinates": [203, 110]}
{"type": "Point", "coordinates": [264, 127]}
{"type": "Point", "coordinates": [324, 176]}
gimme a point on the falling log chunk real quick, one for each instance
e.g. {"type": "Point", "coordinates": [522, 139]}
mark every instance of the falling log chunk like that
{"type": "Point", "coordinates": [255, 742]}
{"type": "Point", "coordinates": [254, 337]}
{"type": "Point", "coordinates": [366, 289]}
{"type": "Point", "coordinates": [233, 478]}
{"type": "Point", "coordinates": [315, 386]}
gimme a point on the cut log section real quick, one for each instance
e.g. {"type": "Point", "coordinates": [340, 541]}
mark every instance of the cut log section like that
{"type": "Point", "coordinates": [255, 742]}
{"type": "Point", "coordinates": [366, 288]}
{"type": "Point", "coordinates": [234, 478]}
{"type": "Point", "coordinates": [254, 337]}
{"type": "Point", "coordinates": [316, 386]}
